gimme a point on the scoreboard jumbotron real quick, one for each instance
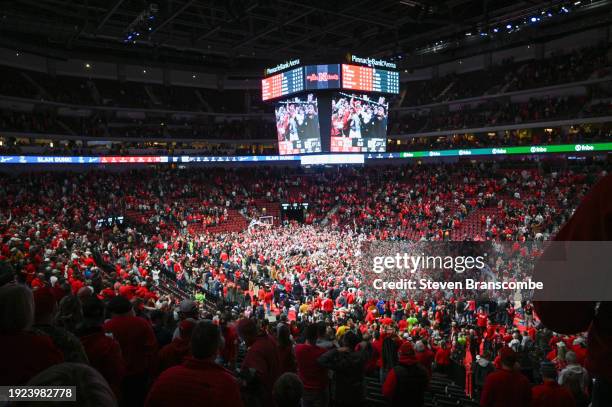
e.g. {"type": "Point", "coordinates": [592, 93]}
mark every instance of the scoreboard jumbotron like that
{"type": "Point", "coordinates": [331, 107]}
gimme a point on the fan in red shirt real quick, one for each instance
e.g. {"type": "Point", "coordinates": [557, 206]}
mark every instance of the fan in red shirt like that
{"type": "Point", "coordinates": [229, 351]}
{"type": "Point", "coordinates": [199, 380]}
{"type": "Point", "coordinates": [550, 393]}
{"type": "Point", "coordinates": [481, 320]}
{"type": "Point", "coordinates": [443, 357]}
{"type": "Point", "coordinates": [328, 305]}
{"type": "Point", "coordinates": [314, 376]}
{"type": "Point", "coordinates": [262, 355]}
{"type": "Point", "coordinates": [176, 351]}
{"type": "Point", "coordinates": [424, 356]}
{"type": "Point", "coordinates": [103, 352]}
{"type": "Point", "coordinates": [23, 354]}
{"type": "Point", "coordinates": [138, 346]}
{"type": "Point", "coordinates": [506, 387]}
{"type": "Point", "coordinates": [407, 381]}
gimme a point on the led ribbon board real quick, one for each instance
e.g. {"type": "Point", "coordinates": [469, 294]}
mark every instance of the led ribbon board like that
{"type": "Point", "coordinates": [315, 159]}
{"type": "Point", "coordinates": [560, 148]}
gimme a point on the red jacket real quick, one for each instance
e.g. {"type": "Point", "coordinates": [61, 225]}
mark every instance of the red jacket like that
{"type": "Point", "coordinates": [328, 305]}
{"type": "Point", "coordinates": [287, 359]}
{"type": "Point", "coordinates": [263, 357]}
{"type": "Point", "coordinates": [230, 349]}
{"type": "Point", "coordinates": [195, 383]}
{"type": "Point", "coordinates": [174, 353]}
{"type": "Point", "coordinates": [550, 394]}
{"type": "Point", "coordinates": [313, 375]}
{"type": "Point", "coordinates": [418, 390]}
{"type": "Point", "coordinates": [592, 221]}
{"type": "Point", "coordinates": [505, 388]}
{"type": "Point", "coordinates": [24, 355]}
{"type": "Point", "coordinates": [377, 345]}
{"type": "Point", "coordinates": [442, 357]}
{"type": "Point", "coordinates": [104, 354]}
{"type": "Point", "coordinates": [425, 358]}
{"type": "Point", "coordinates": [137, 340]}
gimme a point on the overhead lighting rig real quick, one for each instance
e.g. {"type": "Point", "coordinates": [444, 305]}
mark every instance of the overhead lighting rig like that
{"type": "Point", "coordinates": [142, 24]}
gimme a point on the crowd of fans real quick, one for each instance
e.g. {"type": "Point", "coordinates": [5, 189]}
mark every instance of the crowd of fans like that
{"type": "Point", "coordinates": [116, 283]}
{"type": "Point", "coordinates": [506, 77]}
{"type": "Point", "coordinates": [164, 127]}
{"type": "Point", "coordinates": [509, 75]}
{"type": "Point", "coordinates": [153, 311]}
{"type": "Point", "coordinates": [551, 136]}
{"type": "Point", "coordinates": [496, 112]}
{"type": "Point", "coordinates": [113, 93]}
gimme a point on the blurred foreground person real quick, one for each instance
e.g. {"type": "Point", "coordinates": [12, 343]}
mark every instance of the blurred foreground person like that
{"type": "Point", "coordinates": [91, 388]}
{"type": "Point", "coordinates": [199, 380]}
{"type": "Point", "coordinates": [261, 359]}
{"type": "Point", "coordinates": [592, 221]}
{"type": "Point", "coordinates": [138, 347]}
{"type": "Point", "coordinates": [103, 351]}
{"type": "Point", "coordinates": [406, 383]}
{"type": "Point", "coordinates": [550, 393]}
{"type": "Point", "coordinates": [348, 365]}
{"type": "Point", "coordinates": [45, 315]}
{"type": "Point", "coordinates": [23, 353]}
{"type": "Point", "coordinates": [506, 387]}
{"type": "Point", "coordinates": [312, 374]}
{"type": "Point", "coordinates": [288, 391]}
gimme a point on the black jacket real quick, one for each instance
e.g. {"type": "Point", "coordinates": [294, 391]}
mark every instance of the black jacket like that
{"type": "Point", "coordinates": [348, 368]}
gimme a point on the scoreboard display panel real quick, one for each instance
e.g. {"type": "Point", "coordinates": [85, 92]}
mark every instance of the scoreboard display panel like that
{"type": "Point", "coordinates": [385, 81]}
{"type": "Point", "coordinates": [359, 123]}
{"type": "Point", "coordinates": [357, 77]}
{"type": "Point", "coordinates": [366, 79]}
{"type": "Point", "coordinates": [322, 76]}
{"type": "Point", "coordinates": [297, 125]}
{"type": "Point", "coordinates": [282, 84]}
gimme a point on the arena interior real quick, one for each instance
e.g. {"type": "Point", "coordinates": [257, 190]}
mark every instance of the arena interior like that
{"type": "Point", "coordinates": [197, 198]}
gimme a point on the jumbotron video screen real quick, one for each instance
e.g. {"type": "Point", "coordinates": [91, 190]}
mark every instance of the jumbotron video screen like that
{"type": "Point", "coordinates": [297, 125]}
{"type": "Point", "coordinates": [359, 123]}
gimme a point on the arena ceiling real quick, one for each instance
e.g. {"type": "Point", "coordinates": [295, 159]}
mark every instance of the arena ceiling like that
{"type": "Point", "coordinates": [239, 35]}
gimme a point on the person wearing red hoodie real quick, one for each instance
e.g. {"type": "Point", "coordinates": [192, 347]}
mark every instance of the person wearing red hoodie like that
{"type": "Point", "coordinates": [592, 221]}
{"type": "Point", "coordinates": [328, 306]}
{"type": "Point", "coordinates": [45, 317]}
{"type": "Point", "coordinates": [443, 358]}
{"type": "Point", "coordinates": [313, 375]}
{"type": "Point", "coordinates": [424, 356]}
{"type": "Point", "coordinates": [229, 352]}
{"type": "Point", "coordinates": [138, 346]}
{"type": "Point", "coordinates": [262, 356]}
{"type": "Point", "coordinates": [23, 353]}
{"type": "Point", "coordinates": [198, 380]}
{"type": "Point", "coordinates": [550, 393]}
{"type": "Point", "coordinates": [407, 382]}
{"type": "Point", "coordinates": [176, 351]}
{"type": "Point", "coordinates": [103, 351]}
{"type": "Point", "coordinates": [506, 387]}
